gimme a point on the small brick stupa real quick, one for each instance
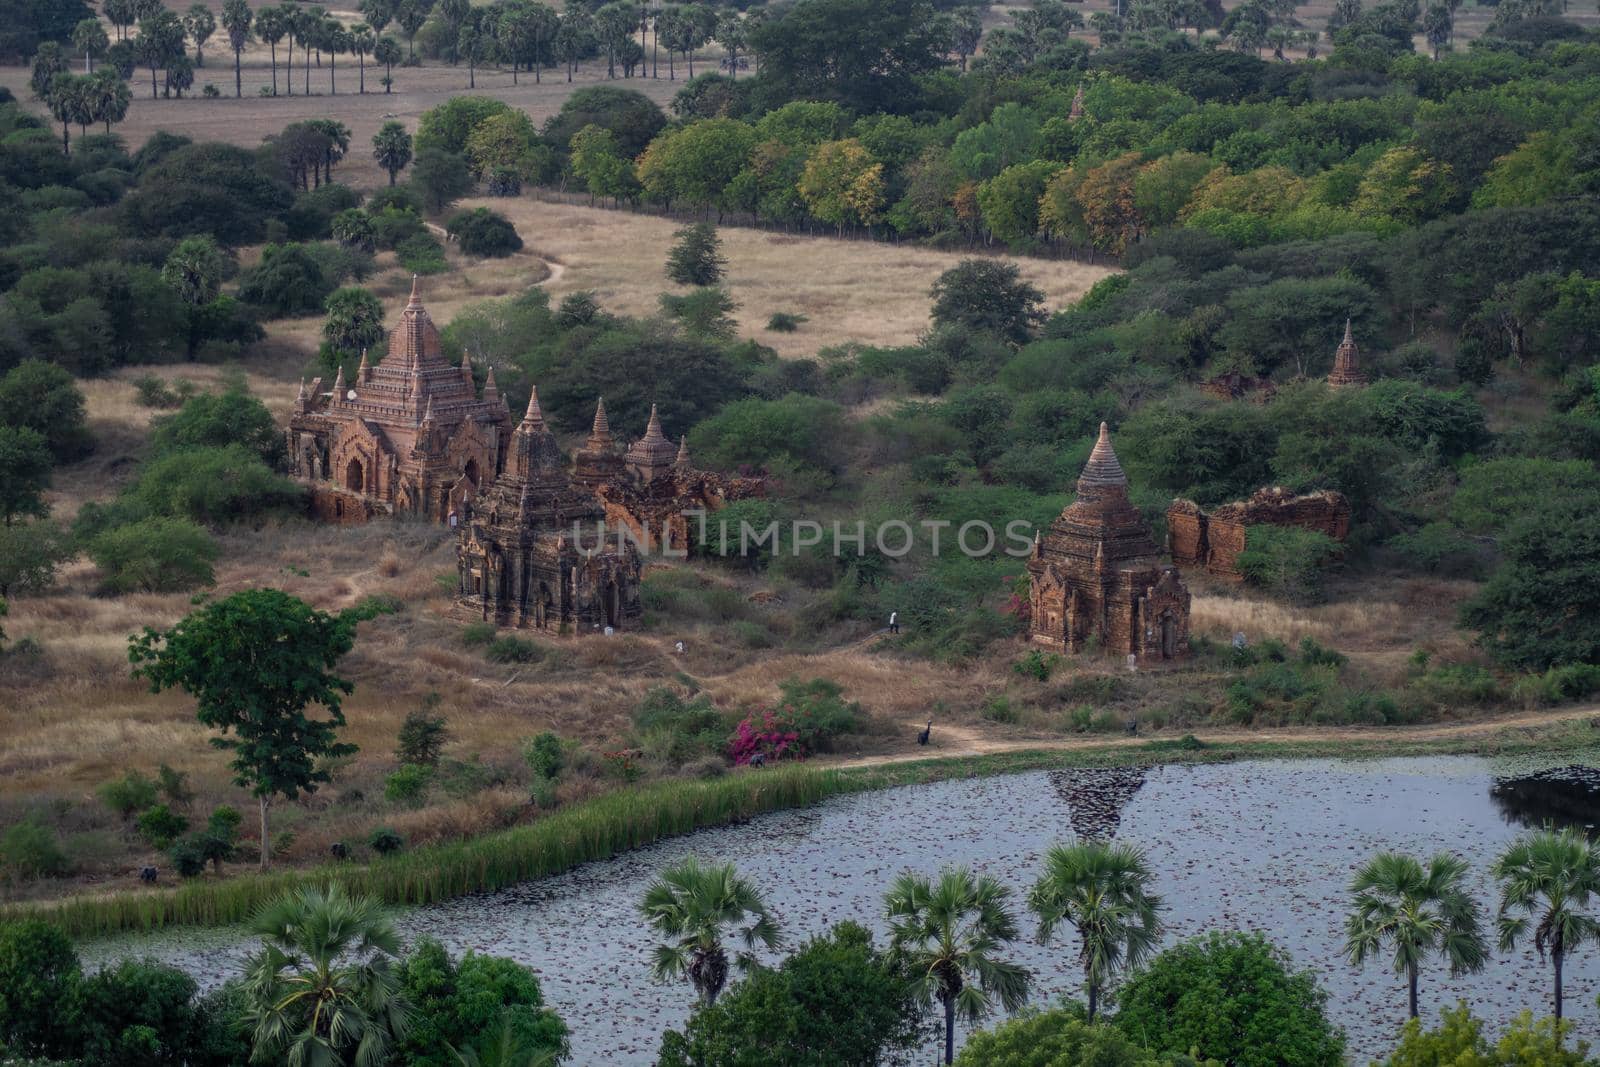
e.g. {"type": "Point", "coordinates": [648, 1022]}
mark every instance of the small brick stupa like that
{"type": "Point", "coordinates": [1347, 362]}
{"type": "Point", "coordinates": [1096, 576]}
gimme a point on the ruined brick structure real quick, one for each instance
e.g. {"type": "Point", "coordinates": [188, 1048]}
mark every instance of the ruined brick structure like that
{"type": "Point", "coordinates": [409, 436]}
{"type": "Point", "coordinates": [1096, 576]}
{"type": "Point", "coordinates": [1213, 540]}
{"type": "Point", "coordinates": [1346, 362]}
{"type": "Point", "coordinates": [1235, 386]}
{"type": "Point", "coordinates": [537, 545]}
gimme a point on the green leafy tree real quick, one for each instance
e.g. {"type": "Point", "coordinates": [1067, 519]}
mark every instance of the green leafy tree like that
{"type": "Point", "coordinates": [1286, 561]}
{"type": "Point", "coordinates": [1420, 912]}
{"type": "Point", "coordinates": [1102, 890]}
{"type": "Point", "coordinates": [947, 934]}
{"type": "Point", "coordinates": [195, 269]}
{"type": "Point", "coordinates": [1232, 996]}
{"type": "Point", "coordinates": [597, 160]}
{"type": "Point", "coordinates": [441, 178]}
{"type": "Point", "coordinates": [217, 420]}
{"type": "Point", "coordinates": [1529, 615]}
{"type": "Point", "coordinates": [39, 976]}
{"type": "Point", "coordinates": [1057, 1039]}
{"type": "Point", "coordinates": [324, 988]}
{"type": "Point", "coordinates": [696, 256]}
{"type": "Point", "coordinates": [30, 552]}
{"type": "Point", "coordinates": [391, 147]}
{"type": "Point", "coordinates": [833, 1001]}
{"type": "Point", "coordinates": [254, 662]}
{"type": "Point", "coordinates": [695, 908]}
{"type": "Point", "coordinates": [475, 1011]}
{"type": "Point", "coordinates": [1548, 880]}
{"type": "Point", "coordinates": [45, 398]}
{"type": "Point", "coordinates": [24, 473]}
{"type": "Point", "coordinates": [988, 295]}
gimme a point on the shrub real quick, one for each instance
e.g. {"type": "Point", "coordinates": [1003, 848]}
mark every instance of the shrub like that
{"type": "Point", "coordinates": [422, 735]}
{"type": "Point", "coordinates": [188, 856]}
{"type": "Point", "coordinates": [481, 232]}
{"type": "Point", "coordinates": [160, 825]}
{"type": "Point", "coordinates": [422, 253]}
{"type": "Point", "coordinates": [154, 392]}
{"type": "Point", "coordinates": [212, 486]}
{"type": "Point", "coordinates": [408, 785]}
{"type": "Point", "coordinates": [477, 633]}
{"type": "Point", "coordinates": [131, 793]}
{"type": "Point", "coordinates": [544, 755]}
{"type": "Point", "coordinates": [785, 322]}
{"type": "Point", "coordinates": [214, 845]}
{"type": "Point", "coordinates": [1286, 561]}
{"type": "Point", "coordinates": [217, 421]}
{"type": "Point", "coordinates": [385, 841]}
{"type": "Point", "coordinates": [696, 256]}
{"type": "Point", "coordinates": [677, 731]}
{"type": "Point", "coordinates": [1052, 1038]}
{"type": "Point", "coordinates": [287, 281]}
{"type": "Point", "coordinates": [174, 785]}
{"type": "Point", "coordinates": [998, 709]}
{"type": "Point", "coordinates": [1315, 655]}
{"type": "Point", "coordinates": [135, 1011]}
{"type": "Point", "coordinates": [1036, 665]}
{"type": "Point", "coordinates": [1558, 685]}
{"type": "Point", "coordinates": [464, 1006]}
{"type": "Point", "coordinates": [509, 649]}
{"type": "Point", "coordinates": [155, 555]}
{"type": "Point", "coordinates": [29, 850]}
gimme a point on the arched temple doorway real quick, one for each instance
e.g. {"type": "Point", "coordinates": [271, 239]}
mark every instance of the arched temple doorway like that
{"type": "Point", "coordinates": [353, 479]}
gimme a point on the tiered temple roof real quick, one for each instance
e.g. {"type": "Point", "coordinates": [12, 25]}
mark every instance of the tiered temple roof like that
{"type": "Point", "coordinates": [1346, 362]}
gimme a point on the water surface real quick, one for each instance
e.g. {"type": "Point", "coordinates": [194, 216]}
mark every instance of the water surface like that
{"type": "Point", "coordinates": [1259, 845]}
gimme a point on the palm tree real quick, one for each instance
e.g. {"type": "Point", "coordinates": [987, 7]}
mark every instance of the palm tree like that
{"type": "Point", "coordinates": [1102, 889]}
{"type": "Point", "coordinates": [694, 905]}
{"type": "Point", "coordinates": [391, 147]}
{"type": "Point", "coordinates": [387, 52]}
{"type": "Point", "coordinates": [362, 42]}
{"type": "Point", "coordinates": [89, 37]}
{"type": "Point", "coordinates": [1549, 875]}
{"type": "Point", "coordinates": [271, 26]}
{"type": "Point", "coordinates": [948, 933]}
{"type": "Point", "coordinates": [1422, 913]}
{"type": "Point", "coordinates": [323, 989]}
{"type": "Point", "coordinates": [236, 19]}
{"type": "Point", "coordinates": [200, 24]}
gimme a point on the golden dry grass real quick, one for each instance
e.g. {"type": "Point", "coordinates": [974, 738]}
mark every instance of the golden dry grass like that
{"type": "Point", "coordinates": [862, 291]}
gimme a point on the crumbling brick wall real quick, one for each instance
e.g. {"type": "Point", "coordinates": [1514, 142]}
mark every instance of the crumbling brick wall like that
{"type": "Point", "coordinates": [329, 503]}
{"type": "Point", "coordinates": [1214, 540]}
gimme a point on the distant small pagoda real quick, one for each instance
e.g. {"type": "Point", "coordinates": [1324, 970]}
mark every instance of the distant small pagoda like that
{"type": "Point", "coordinates": [1346, 362]}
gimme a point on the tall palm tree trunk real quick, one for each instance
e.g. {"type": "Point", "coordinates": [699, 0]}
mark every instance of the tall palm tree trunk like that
{"type": "Point", "coordinates": [266, 847]}
{"type": "Point", "coordinates": [274, 46]}
{"type": "Point", "coordinates": [238, 84]}
{"type": "Point", "coordinates": [1555, 959]}
{"type": "Point", "coordinates": [949, 1030]}
{"type": "Point", "coordinates": [1094, 998]}
{"type": "Point", "coordinates": [1411, 986]}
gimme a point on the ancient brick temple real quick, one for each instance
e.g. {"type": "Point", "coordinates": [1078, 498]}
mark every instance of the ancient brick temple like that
{"type": "Point", "coordinates": [1347, 362]}
{"type": "Point", "coordinates": [1097, 578]}
{"type": "Point", "coordinates": [409, 435]}
{"type": "Point", "coordinates": [531, 552]}
{"type": "Point", "coordinates": [1213, 540]}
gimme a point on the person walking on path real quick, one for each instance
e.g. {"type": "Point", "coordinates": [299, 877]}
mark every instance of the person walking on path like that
{"type": "Point", "coordinates": [894, 622]}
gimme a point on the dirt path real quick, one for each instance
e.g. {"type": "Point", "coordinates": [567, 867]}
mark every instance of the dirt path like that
{"type": "Point", "coordinates": [951, 740]}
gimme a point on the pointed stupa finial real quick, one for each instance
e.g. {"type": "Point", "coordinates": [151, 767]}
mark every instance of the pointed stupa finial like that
{"type": "Point", "coordinates": [602, 425]}
{"type": "Point", "coordinates": [1103, 467]}
{"type": "Point", "coordinates": [682, 462]}
{"type": "Point", "coordinates": [533, 416]}
{"type": "Point", "coordinates": [466, 365]}
{"type": "Point", "coordinates": [302, 394]}
{"type": "Point", "coordinates": [491, 391]}
{"type": "Point", "coordinates": [1349, 335]}
{"type": "Point", "coordinates": [416, 298]}
{"type": "Point", "coordinates": [653, 427]}
{"type": "Point", "coordinates": [338, 384]}
{"type": "Point", "coordinates": [364, 371]}
{"type": "Point", "coordinates": [427, 414]}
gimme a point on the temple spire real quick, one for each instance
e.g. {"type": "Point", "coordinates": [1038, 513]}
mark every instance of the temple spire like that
{"type": "Point", "coordinates": [1103, 468]}
{"type": "Point", "coordinates": [416, 298]}
{"type": "Point", "coordinates": [427, 416]}
{"type": "Point", "coordinates": [491, 391]}
{"type": "Point", "coordinates": [364, 371]}
{"type": "Point", "coordinates": [682, 462]}
{"type": "Point", "coordinates": [653, 427]}
{"type": "Point", "coordinates": [466, 365]}
{"type": "Point", "coordinates": [302, 394]}
{"type": "Point", "coordinates": [534, 418]}
{"type": "Point", "coordinates": [1347, 361]}
{"type": "Point", "coordinates": [602, 425]}
{"type": "Point", "coordinates": [338, 386]}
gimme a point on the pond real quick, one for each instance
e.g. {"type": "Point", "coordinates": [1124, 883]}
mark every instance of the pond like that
{"type": "Point", "coordinates": [1258, 845]}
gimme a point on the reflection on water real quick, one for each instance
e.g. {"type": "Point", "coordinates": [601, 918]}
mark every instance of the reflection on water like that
{"type": "Point", "coordinates": [1252, 845]}
{"type": "Point", "coordinates": [1565, 796]}
{"type": "Point", "coordinates": [1096, 797]}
